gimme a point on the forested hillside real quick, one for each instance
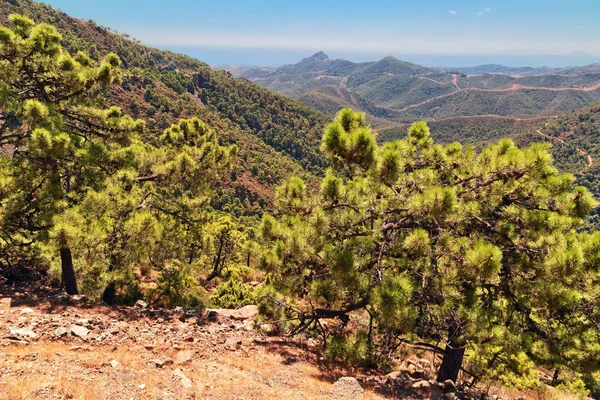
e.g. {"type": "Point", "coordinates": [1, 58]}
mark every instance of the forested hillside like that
{"type": "Point", "coordinates": [276, 135]}
{"type": "Point", "coordinates": [178, 207]}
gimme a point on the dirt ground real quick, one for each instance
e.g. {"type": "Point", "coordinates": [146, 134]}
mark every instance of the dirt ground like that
{"type": "Point", "coordinates": [52, 347]}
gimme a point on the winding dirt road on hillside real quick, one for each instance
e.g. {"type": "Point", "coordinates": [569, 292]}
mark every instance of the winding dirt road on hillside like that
{"type": "Point", "coordinates": [589, 158]}
{"type": "Point", "coordinates": [511, 88]}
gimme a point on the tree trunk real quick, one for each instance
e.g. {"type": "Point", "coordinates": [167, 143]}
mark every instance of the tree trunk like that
{"type": "Point", "coordinates": [109, 294]}
{"type": "Point", "coordinates": [68, 273]}
{"type": "Point", "coordinates": [555, 376]}
{"type": "Point", "coordinates": [453, 357]}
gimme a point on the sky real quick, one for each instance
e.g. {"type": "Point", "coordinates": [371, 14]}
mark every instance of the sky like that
{"type": "Point", "coordinates": [431, 32]}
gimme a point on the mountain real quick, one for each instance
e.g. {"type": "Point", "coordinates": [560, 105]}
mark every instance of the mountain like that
{"type": "Point", "coordinates": [277, 136]}
{"type": "Point", "coordinates": [398, 91]}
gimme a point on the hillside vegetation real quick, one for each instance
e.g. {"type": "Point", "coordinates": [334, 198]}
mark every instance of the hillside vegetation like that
{"type": "Point", "coordinates": [135, 178]}
{"type": "Point", "coordinates": [277, 136]}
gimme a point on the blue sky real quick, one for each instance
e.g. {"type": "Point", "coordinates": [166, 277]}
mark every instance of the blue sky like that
{"type": "Point", "coordinates": [433, 32]}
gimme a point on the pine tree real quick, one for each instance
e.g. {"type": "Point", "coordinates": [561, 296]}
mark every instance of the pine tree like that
{"type": "Point", "coordinates": [56, 143]}
{"type": "Point", "coordinates": [441, 243]}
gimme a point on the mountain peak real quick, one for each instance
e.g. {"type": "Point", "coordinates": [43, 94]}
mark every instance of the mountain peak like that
{"type": "Point", "coordinates": [389, 58]}
{"type": "Point", "coordinates": [320, 55]}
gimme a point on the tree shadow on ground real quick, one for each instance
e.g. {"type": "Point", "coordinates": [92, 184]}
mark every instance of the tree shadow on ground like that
{"type": "Point", "coordinates": [295, 350]}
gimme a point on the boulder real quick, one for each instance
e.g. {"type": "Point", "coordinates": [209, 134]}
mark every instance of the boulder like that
{"type": "Point", "coordinates": [240, 314]}
{"type": "Point", "coordinates": [25, 333]}
{"type": "Point", "coordinates": [348, 387]}
{"type": "Point", "coordinates": [60, 332]}
{"type": "Point", "coordinates": [185, 381]}
{"type": "Point", "coordinates": [80, 331]}
{"type": "Point", "coordinates": [233, 342]}
{"type": "Point", "coordinates": [141, 304]}
{"type": "Point", "coordinates": [422, 384]}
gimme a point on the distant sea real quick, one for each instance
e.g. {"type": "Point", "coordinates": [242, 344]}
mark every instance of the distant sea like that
{"type": "Point", "coordinates": [270, 57]}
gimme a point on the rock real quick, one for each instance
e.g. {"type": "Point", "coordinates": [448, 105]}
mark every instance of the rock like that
{"type": "Point", "coordinates": [233, 342]}
{"type": "Point", "coordinates": [79, 348]}
{"type": "Point", "coordinates": [222, 314]}
{"type": "Point", "coordinates": [26, 333]}
{"type": "Point", "coordinates": [81, 298]}
{"type": "Point", "coordinates": [62, 297]}
{"type": "Point", "coordinates": [421, 385]}
{"type": "Point", "coordinates": [185, 381]}
{"type": "Point", "coordinates": [83, 322]}
{"type": "Point", "coordinates": [80, 331]}
{"type": "Point", "coordinates": [142, 386]}
{"type": "Point", "coordinates": [123, 376]}
{"type": "Point", "coordinates": [5, 303]}
{"type": "Point", "coordinates": [155, 363]}
{"type": "Point", "coordinates": [115, 364]}
{"type": "Point", "coordinates": [448, 386]}
{"type": "Point", "coordinates": [27, 310]}
{"type": "Point", "coordinates": [394, 375]}
{"type": "Point", "coordinates": [183, 356]}
{"type": "Point", "coordinates": [60, 332]}
{"type": "Point", "coordinates": [141, 304]}
{"type": "Point", "coordinates": [348, 387]}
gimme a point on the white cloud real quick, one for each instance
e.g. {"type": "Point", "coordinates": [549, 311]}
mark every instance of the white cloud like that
{"type": "Point", "coordinates": [452, 12]}
{"type": "Point", "coordinates": [483, 11]}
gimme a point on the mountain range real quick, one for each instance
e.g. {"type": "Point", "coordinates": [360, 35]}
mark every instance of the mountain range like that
{"type": "Point", "coordinates": [391, 90]}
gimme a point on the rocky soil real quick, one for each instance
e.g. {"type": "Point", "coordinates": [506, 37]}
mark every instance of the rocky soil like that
{"type": "Point", "coordinates": [53, 346]}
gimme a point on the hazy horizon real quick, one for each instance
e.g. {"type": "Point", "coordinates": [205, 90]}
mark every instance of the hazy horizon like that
{"type": "Point", "coordinates": [436, 33]}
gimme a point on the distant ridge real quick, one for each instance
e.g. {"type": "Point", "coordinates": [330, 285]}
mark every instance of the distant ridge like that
{"type": "Point", "coordinates": [394, 90]}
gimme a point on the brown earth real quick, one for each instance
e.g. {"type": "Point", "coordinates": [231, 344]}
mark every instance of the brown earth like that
{"type": "Point", "coordinates": [56, 347]}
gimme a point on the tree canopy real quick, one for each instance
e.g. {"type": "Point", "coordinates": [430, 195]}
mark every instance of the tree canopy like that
{"type": "Point", "coordinates": [426, 243]}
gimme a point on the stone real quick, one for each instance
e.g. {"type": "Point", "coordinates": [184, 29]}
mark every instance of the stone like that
{"type": "Point", "coordinates": [141, 304]}
{"type": "Point", "coordinates": [183, 356]}
{"type": "Point", "coordinates": [233, 342]}
{"type": "Point", "coordinates": [123, 376]}
{"type": "Point", "coordinates": [115, 364]}
{"type": "Point", "coordinates": [448, 386]}
{"type": "Point", "coordinates": [185, 381]}
{"type": "Point", "coordinates": [60, 332]}
{"type": "Point", "coordinates": [393, 376]}
{"type": "Point", "coordinates": [82, 298]}
{"type": "Point", "coordinates": [348, 387]}
{"type": "Point", "coordinates": [5, 303]}
{"type": "Point", "coordinates": [421, 385]}
{"type": "Point", "coordinates": [222, 314]}
{"type": "Point", "coordinates": [155, 363]}
{"type": "Point", "coordinates": [83, 322]}
{"type": "Point", "coordinates": [62, 297]}
{"type": "Point", "coordinates": [27, 310]}
{"type": "Point", "coordinates": [22, 332]}
{"type": "Point", "coordinates": [80, 331]}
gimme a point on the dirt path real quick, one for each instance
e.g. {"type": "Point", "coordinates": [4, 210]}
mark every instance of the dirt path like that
{"type": "Point", "coordinates": [588, 157]}
{"type": "Point", "coordinates": [455, 81]}
{"type": "Point", "coordinates": [511, 88]}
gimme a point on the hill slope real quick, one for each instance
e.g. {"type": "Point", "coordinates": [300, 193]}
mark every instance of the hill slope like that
{"type": "Point", "coordinates": [276, 135]}
{"type": "Point", "coordinates": [399, 91]}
